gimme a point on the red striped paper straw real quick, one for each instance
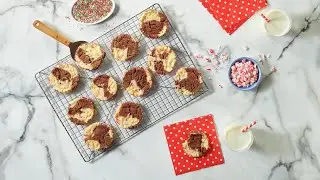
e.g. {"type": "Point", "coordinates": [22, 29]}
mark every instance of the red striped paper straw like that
{"type": "Point", "coordinates": [249, 126]}
{"type": "Point", "coordinates": [265, 18]}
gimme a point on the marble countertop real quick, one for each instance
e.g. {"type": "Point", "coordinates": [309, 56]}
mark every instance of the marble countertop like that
{"type": "Point", "coordinates": [34, 144]}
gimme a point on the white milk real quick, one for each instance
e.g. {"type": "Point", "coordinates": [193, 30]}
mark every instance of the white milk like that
{"type": "Point", "coordinates": [280, 23]}
{"type": "Point", "coordinates": [237, 140]}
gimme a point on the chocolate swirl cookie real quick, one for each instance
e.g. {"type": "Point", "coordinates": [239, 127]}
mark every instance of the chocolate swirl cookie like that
{"type": "Point", "coordinates": [124, 47]}
{"type": "Point", "coordinates": [98, 136]}
{"type": "Point", "coordinates": [188, 81]}
{"type": "Point", "coordinates": [104, 87]}
{"type": "Point", "coordinates": [137, 81]}
{"type": "Point", "coordinates": [196, 145]}
{"type": "Point", "coordinates": [129, 115]}
{"type": "Point", "coordinates": [162, 60]}
{"type": "Point", "coordinates": [81, 111]}
{"type": "Point", "coordinates": [64, 78]}
{"type": "Point", "coordinates": [154, 24]}
{"type": "Point", "coordinates": [89, 56]}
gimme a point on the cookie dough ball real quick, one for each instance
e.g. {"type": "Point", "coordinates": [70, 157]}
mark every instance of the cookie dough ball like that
{"type": "Point", "coordinates": [129, 115]}
{"type": "Point", "coordinates": [196, 145]}
{"type": "Point", "coordinates": [124, 47]}
{"type": "Point", "coordinates": [188, 81]}
{"type": "Point", "coordinates": [98, 136]}
{"type": "Point", "coordinates": [137, 81]}
{"type": "Point", "coordinates": [64, 78]}
{"type": "Point", "coordinates": [81, 111]}
{"type": "Point", "coordinates": [154, 24]}
{"type": "Point", "coordinates": [89, 56]}
{"type": "Point", "coordinates": [161, 60]}
{"type": "Point", "coordinates": [104, 87]}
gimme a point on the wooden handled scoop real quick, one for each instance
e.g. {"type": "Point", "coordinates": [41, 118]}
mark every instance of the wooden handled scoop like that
{"type": "Point", "coordinates": [73, 46]}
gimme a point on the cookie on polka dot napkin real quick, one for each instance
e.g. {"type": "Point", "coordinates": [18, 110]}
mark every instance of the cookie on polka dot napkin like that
{"type": "Point", "coordinates": [231, 14]}
{"type": "Point", "coordinates": [177, 134]}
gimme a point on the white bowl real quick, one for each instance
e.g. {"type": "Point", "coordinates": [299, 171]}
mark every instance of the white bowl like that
{"type": "Point", "coordinates": [99, 21]}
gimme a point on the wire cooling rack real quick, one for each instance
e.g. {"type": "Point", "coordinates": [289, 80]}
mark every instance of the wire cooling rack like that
{"type": "Point", "coordinates": [158, 104]}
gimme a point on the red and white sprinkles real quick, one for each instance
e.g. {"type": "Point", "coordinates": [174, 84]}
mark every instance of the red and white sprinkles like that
{"type": "Point", "coordinates": [90, 11]}
{"type": "Point", "coordinates": [244, 73]}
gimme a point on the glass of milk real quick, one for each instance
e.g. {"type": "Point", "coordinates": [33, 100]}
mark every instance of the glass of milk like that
{"type": "Point", "coordinates": [280, 23]}
{"type": "Point", "coordinates": [236, 139]}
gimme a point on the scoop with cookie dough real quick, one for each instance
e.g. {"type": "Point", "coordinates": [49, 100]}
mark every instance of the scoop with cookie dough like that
{"type": "Point", "coordinates": [124, 47]}
{"type": "Point", "coordinates": [64, 78]}
{"type": "Point", "coordinates": [137, 81]}
{"type": "Point", "coordinates": [188, 81]}
{"type": "Point", "coordinates": [81, 111]}
{"type": "Point", "coordinates": [154, 24]}
{"type": "Point", "coordinates": [129, 115]}
{"type": "Point", "coordinates": [196, 145]}
{"type": "Point", "coordinates": [98, 136]}
{"type": "Point", "coordinates": [89, 56]}
{"type": "Point", "coordinates": [104, 87]}
{"type": "Point", "coordinates": [162, 60]}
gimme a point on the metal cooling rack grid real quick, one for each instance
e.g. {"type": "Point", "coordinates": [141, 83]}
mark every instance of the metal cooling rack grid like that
{"type": "Point", "coordinates": [158, 104]}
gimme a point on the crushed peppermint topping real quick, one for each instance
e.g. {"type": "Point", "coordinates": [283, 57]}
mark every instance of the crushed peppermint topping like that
{"type": "Point", "coordinates": [199, 56]}
{"type": "Point", "coordinates": [244, 73]}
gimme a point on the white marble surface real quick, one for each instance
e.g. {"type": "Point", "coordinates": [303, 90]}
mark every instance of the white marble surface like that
{"type": "Point", "coordinates": [34, 145]}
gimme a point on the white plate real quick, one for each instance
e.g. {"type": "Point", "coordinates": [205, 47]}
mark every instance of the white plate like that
{"type": "Point", "coordinates": [103, 19]}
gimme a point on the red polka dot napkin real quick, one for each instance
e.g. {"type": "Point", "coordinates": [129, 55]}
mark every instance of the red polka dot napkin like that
{"type": "Point", "coordinates": [231, 14]}
{"type": "Point", "coordinates": [177, 133]}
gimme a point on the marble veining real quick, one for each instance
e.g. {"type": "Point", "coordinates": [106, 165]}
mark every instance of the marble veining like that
{"type": "Point", "coordinates": [308, 22]}
{"type": "Point", "coordinates": [34, 144]}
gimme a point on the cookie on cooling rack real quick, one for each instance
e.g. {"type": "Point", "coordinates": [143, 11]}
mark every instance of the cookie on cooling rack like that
{"type": "Point", "coordinates": [104, 87]}
{"type": "Point", "coordinates": [129, 115]}
{"type": "Point", "coordinates": [64, 78]}
{"type": "Point", "coordinates": [154, 24]}
{"type": "Point", "coordinates": [162, 60]}
{"type": "Point", "coordinates": [196, 145]}
{"type": "Point", "coordinates": [124, 47]}
{"type": "Point", "coordinates": [81, 111]}
{"type": "Point", "coordinates": [188, 81]}
{"type": "Point", "coordinates": [98, 136]}
{"type": "Point", "coordinates": [89, 56]}
{"type": "Point", "coordinates": [137, 81]}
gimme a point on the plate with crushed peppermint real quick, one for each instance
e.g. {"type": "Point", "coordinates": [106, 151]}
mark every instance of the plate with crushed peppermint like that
{"type": "Point", "coordinates": [92, 11]}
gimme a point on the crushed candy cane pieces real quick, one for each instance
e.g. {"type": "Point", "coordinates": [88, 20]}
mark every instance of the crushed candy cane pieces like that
{"type": "Point", "coordinates": [224, 57]}
{"type": "Point", "coordinates": [207, 59]}
{"type": "Point", "coordinates": [273, 69]}
{"type": "Point", "coordinates": [199, 56]}
{"type": "Point", "coordinates": [212, 52]}
{"type": "Point", "coordinates": [244, 73]}
{"type": "Point", "coordinates": [246, 48]}
{"type": "Point", "coordinates": [215, 63]}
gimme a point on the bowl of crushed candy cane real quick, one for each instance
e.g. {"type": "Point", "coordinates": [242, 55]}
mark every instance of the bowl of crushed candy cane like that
{"type": "Point", "coordinates": [245, 73]}
{"type": "Point", "coordinates": [92, 11]}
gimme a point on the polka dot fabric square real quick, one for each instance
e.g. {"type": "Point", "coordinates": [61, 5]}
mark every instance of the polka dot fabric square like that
{"type": "Point", "coordinates": [231, 14]}
{"type": "Point", "coordinates": [177, 133]}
